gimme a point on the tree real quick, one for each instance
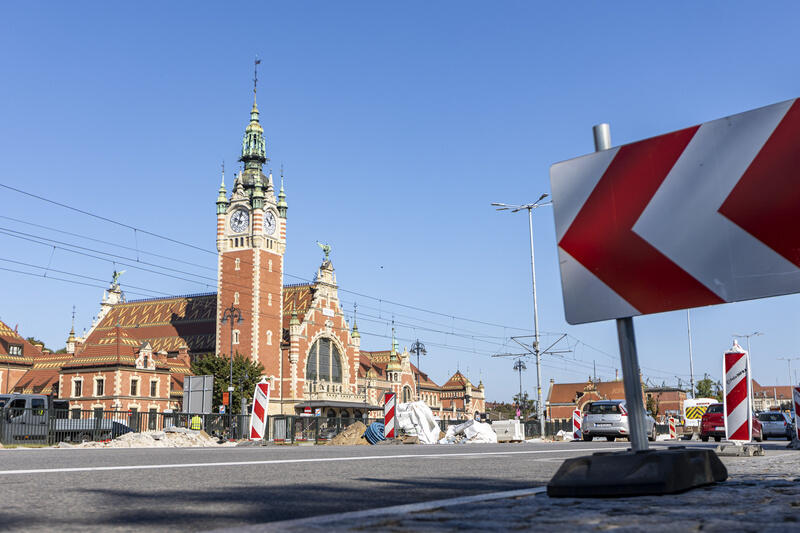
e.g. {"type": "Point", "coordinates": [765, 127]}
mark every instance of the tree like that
{"type": "Point", "coordinates": [704, 388]}
{"type": "Point", "coordinates": [246, 374]}
{"type": "Point", "coordinates": [652, 404]}
{"type": "Point", "coordinates": [526, 405]}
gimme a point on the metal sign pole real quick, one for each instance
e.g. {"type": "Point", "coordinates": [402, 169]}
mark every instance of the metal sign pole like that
{"type": "Point", "coordinates": [627, 343]}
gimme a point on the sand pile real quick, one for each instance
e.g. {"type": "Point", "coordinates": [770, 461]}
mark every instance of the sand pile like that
{"type": "Point", "coordinates": [169, 438]}
{"type": "Point", "coordinates": [352, 434]}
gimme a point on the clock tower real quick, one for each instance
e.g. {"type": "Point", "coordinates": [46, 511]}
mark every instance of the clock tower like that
{"type": "Point", "coordinates": [251, 241]}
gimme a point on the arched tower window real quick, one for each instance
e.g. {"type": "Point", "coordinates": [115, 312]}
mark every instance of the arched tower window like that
{"type": "Point", "coordinates": [324, 362]}
{"type": "Point", "coordinates": [406, 394]}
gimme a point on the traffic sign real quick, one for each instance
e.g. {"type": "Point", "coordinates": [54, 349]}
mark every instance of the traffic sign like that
{"type": "Point", "coordinates": [738, 413]}
{"type": "Point", "coordinates": [700, 216]}
{"type": "Point", "coordinates": [258, 417]}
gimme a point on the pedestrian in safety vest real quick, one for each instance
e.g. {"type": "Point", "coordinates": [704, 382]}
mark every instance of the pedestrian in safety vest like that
{"type": "Point", "coordinates": [197, 423]}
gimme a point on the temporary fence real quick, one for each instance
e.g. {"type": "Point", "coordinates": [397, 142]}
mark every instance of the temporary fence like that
{"type": "Point", "coordinates": [43, 426]}
{"type": "Point", "coordinates": [48, 426]}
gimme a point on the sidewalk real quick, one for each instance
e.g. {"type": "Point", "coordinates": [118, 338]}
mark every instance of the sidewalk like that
{"type": "Point", "coordinates": [761, 493]}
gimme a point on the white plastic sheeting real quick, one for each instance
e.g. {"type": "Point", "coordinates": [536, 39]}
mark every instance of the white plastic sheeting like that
{"type": "Point", "coordinates": [416, 419]}
{"type": "Point", "coordinates": [470, 431]}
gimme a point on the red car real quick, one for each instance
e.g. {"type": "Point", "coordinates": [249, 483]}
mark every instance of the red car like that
{"type": "Point", "coordinates": [713, 425]}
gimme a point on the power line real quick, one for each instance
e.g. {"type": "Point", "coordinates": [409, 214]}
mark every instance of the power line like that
{"type": "Point", "coordinates": [192, 246]}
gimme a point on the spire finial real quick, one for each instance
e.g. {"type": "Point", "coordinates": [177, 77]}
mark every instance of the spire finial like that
{"type": "Point", "coordinates": [256, 62]}
{"type": "Point", "coordinates": [223, 174]}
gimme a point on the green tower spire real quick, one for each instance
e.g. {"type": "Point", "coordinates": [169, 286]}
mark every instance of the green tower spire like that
{"type": "Point", "coordinates": [282, 206]}
{"type": "Point", "coordinates": [258, 193]}
{"type": "Point", "coordinates": [222, 197]}
{"type": "Point", "coordinates": [254, 147]}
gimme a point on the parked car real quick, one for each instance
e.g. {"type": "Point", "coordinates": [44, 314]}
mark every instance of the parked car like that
{"type": "Point", "coordinates": [609, 419]}
{"type": "Point", "coordinates": [712, 425]}
{"type": "Point", "coordinates": [25, 417]}
{"type": "Point", "coordinates": [773, 424]}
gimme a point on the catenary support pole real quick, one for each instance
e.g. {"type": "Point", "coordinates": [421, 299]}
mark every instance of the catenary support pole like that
{"type": "Point", "coordinates": [691, 362]}
{"type": "Point", "coordinates": [539, 412]}
{"type": "Point", "coordinates": [627, 344]}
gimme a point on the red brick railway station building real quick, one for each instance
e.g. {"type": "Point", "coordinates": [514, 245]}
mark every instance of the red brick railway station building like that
{"type": "Point", "coordinates": [136, 353]}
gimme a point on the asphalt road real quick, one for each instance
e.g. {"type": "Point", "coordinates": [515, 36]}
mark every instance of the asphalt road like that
{"type": "Point", "coordinates": [198, 489]}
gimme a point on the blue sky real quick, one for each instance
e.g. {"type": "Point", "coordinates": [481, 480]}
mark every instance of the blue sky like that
{"type": "Point", "coordinates": [397, 124]}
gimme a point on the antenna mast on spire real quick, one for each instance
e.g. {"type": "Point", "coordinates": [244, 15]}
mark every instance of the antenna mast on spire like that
{"type": "Point", "coordinates": [255, 75]}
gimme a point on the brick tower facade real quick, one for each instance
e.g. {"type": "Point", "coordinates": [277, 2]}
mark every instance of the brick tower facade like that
{"type": "Point", "coordinates": [251, 241]}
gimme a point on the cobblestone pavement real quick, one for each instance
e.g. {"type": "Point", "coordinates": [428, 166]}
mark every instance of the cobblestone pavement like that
{"type": "Point", "coordinates": [761, 493]}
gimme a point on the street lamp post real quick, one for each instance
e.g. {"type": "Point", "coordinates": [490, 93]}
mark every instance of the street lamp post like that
{"type": "Point", "coordinates": [530, 208]}
{"type": "Point", "coordinates": [419, 348]}
{"type": "Point", "coordinates": [754, 334]}
{"type": "Point", "coordinates": [233, 315]}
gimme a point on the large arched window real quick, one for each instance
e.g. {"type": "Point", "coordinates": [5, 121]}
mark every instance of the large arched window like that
{"type": "Point", "coordinates": [324, 362]}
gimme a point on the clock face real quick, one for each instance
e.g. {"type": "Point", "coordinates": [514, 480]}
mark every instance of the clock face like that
{"type": "Point", "coordinates": [239, 220]}
{"type": "Point", "coordinates": [270, 224]}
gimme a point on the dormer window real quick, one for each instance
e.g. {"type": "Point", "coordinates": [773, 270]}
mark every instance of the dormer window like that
{"type": "Point", "coordinates": [15, 349]}
{"type": "Point", "coordinates": [145, 361]}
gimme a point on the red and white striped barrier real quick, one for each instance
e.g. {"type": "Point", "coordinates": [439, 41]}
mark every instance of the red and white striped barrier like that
{"type": "Point", "coordinates": [738, 413]}
{"type": "Point", "coordinates": [389, 400]}
{"type": "Point", "coordinates": [577, 419]}
{"type": "Point", "coordinates": [673, 431]}
{"type": "Point", "coordinates": [796, 401]}
{"type": "Point", "coordinates": [258, 414]}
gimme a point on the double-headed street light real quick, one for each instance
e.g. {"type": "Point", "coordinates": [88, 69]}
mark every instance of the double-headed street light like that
{"type": "Point", "coordinates": [530, 208]}
{"type": "Point", "coordinates": [233, 315]}
{"type": "Point", "coordinates": [419, 348]}
{"type": "Point", "coordinates": [754, 334]}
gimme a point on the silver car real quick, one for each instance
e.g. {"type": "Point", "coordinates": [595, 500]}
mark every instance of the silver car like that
{"type": "Point", "coordinates": [773, 424]}
{"type": "Point", "coordinates": [609, 419]}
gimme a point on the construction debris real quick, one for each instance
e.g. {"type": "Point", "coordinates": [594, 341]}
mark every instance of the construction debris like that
{"type": "Point", "coordinates": [416, 419]}
{"type": "Point", "coordinates": [169, 438]}
{"type": "Point", "coordinates": [470, 431]}
{"type": "Point", "coordinates": [352, 435]}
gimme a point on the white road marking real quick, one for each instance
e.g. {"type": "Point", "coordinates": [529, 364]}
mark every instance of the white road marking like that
{"type": "Point", "coordinates": [291, 461]}
{"type": "Point", "coordinates": [383, 511]}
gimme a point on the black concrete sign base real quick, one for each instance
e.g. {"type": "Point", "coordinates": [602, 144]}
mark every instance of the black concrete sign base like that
{"type": "Point", "coordinates": [648, 472]}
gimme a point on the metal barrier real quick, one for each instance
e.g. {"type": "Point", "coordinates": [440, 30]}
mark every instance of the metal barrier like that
{"type": "Point", "coordinates": [42, 426]}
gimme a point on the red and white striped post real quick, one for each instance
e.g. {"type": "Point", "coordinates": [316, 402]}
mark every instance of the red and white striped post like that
{"type": "Point", "coordinates": [673, 431]}
{"type": "Point", "coordinates": [738, 413]}
{"type": "Point", "coordinates": [796, 401]}
{"type": "Point", "coordinates": [389, 400]}
{"type": "Point", "coordinates": [576, 424]}
{"type": "Point", "coordinates": [258, 414]}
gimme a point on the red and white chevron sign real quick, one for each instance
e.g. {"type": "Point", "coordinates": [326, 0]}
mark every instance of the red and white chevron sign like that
{"type": "Point", "coordinates": [258, 416]}
{"type": "Point", "coordinates": [700, 216]}
{"type": "Point", "coordinates": [796, 401]}
{"type": "Point", "coordinates": [576, 424]}
{"type": "Point", "coordinates": [389, 401]}
{"type": "Point", "coordinates": [738, 414]}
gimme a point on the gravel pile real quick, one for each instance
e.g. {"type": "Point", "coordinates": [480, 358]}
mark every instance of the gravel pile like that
{"type": "Point", "coordinates": [169, 438]}
{"type": "Point", "coordinates": [352, 435]}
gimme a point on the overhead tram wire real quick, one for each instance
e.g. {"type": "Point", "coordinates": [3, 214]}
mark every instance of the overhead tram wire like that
{"type": "Point", "coordinates": [51, 269]}
{"type": "Point", "coordinates": [456, 348]}
{"type": "Point", "coordinates": [109, 243]}
{"type": "Point", "coordinates": [214, 252]}
{"type": "Point", "coordinates": [119, 260]}
{"type": "Point", "coordinates": [64, 280]}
